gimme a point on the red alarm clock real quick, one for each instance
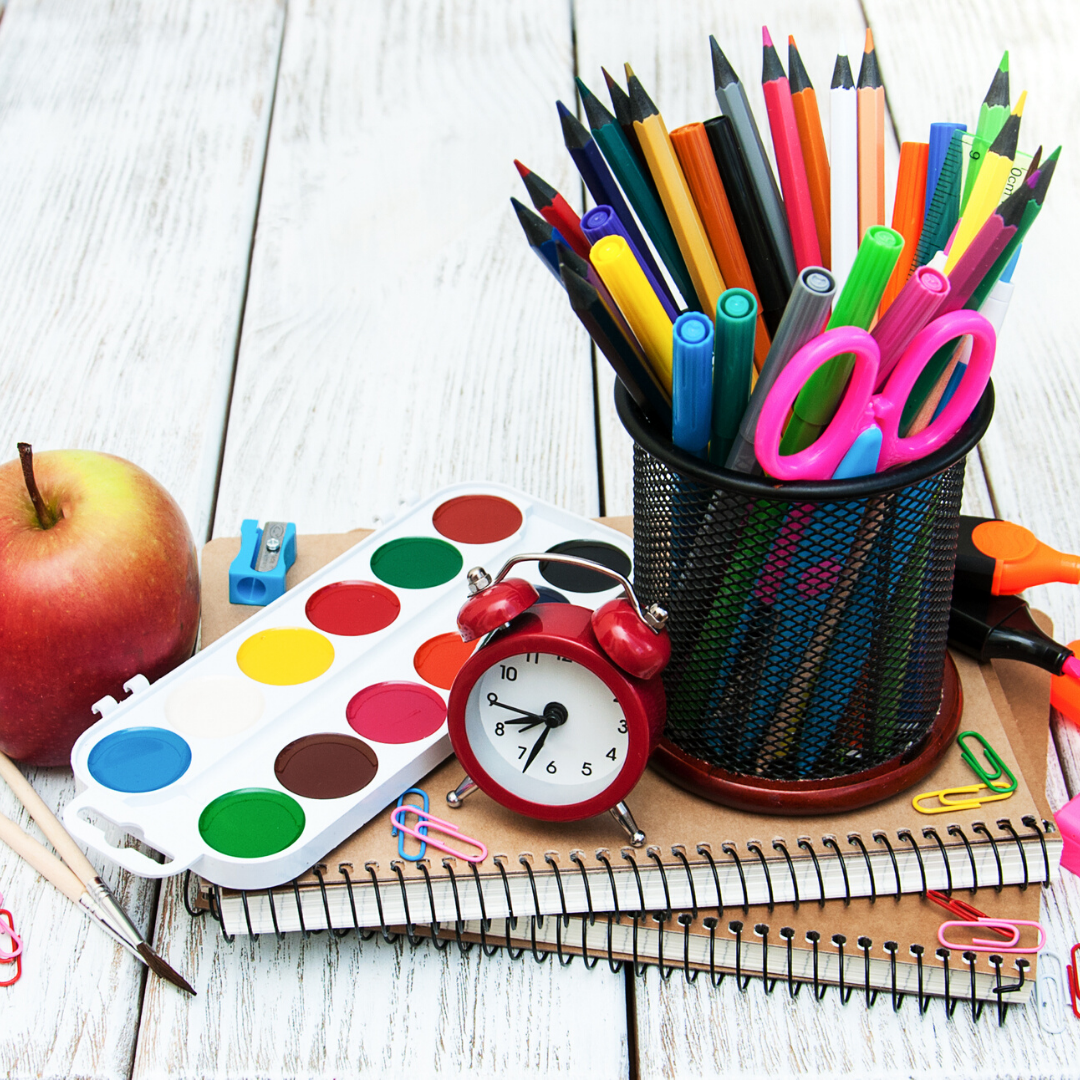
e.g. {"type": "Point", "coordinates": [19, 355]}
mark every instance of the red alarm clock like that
{"type": "Point", "coordinates": [557, 712]}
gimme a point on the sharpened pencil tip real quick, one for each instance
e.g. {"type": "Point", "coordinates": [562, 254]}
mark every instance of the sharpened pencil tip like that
{"type": "Point", "coordinates": [766, 37]}
{"type": "Point", "coordinates": [723, 73]}
{"type": "Point", "coordinates": [1019, 110]}
{"type": "Point", "coordinates": [791, 41]}
{"type": "Point", "coordinates": [159, 967]}
{"type": "Point", "coordinates": [641, 105]}
{"type": "Point", "coordinates": [629, 71]}
{"type": "Point", "coordinates": [1004, 65]}
{"type": "Point", "coordinates": [868, 47]}
{"type": "Point", "coordinates": [522, 170]}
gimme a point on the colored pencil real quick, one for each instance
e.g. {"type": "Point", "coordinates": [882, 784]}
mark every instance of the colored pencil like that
{"type": "Point", "coordinates": [636, 181]}
{"type": "Point", "coordinates": [734, 103]}
{"type": "Point", "coordinates": [993, 112]}
{"type": "Point", "coordinates": [908, 213]}
{"type": "Point", "coordinates": [602, 186]}
{"type": "Point", "coordinates": [789, 157]}
{"type": "Point", "coordinates": [969, 271]}
{"type": "Point", "coordinates": [1031, 212]}
{"type": "Point", "coordinates": [554, 209]}
{"type": "Point", "coordinates": [635, 376]}
{"type": "Point", "coordinates": [620, 104]}
{"type": "Point", "coordinates": [844, 172]}
{"type": "Point", "coordinates": [587, 272]}
{"type": "Point", "coordinates": [871, 103]}
{"type": "Point", "coordinates": [812, 141]}
{"type": "Point", "coordinates": [625, 280]}
{"type": "Point", "coordinates": [988, 189]}
{"type": "Point", "coordinates": [675, 195]}
{"type": "Point", "coordinates": [541, 236]}
{"type": "Point", "coordinates": [703, 178]}
{"type": "Point", "coordinates": [749, 215]}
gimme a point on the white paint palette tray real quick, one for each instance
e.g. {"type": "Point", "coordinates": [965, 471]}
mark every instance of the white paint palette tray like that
{"type": "Point", "coordinates": [259, 755]}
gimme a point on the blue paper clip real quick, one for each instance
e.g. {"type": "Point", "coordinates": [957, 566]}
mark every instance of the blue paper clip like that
{"type": "Point", "coordinates": [257, 574]}
{"type": "Point", "coordinates": [421, 828]}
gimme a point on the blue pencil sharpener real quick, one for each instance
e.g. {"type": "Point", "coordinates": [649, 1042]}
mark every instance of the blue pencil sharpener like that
{"type": "Point", "coordinates": [257, 574]}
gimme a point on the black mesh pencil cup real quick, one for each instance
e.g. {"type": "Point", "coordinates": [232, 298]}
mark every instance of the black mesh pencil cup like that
{"type": "Point", "coordinates": [808, 622]}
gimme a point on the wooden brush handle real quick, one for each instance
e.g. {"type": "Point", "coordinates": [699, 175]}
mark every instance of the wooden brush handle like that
{"type": "Point", "coordinates": [41, 859]}
{"type": "Point", "coordinates": [47, 821]}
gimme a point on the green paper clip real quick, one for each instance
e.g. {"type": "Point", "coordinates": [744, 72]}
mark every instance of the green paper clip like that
{"type": "Point", "coordinates": [1001, 770]}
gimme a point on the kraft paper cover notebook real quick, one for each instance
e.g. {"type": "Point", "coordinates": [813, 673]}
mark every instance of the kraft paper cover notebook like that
{"type": "Point", "coordinates": [695, 848]}
{"type": "Point", "coordinates": [868, 946]}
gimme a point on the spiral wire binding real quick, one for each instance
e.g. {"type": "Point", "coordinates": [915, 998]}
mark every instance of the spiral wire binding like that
{"type": "Point", "coordinates": [856, 841]}
{"type": "Point", "coordinates": [641, 918]}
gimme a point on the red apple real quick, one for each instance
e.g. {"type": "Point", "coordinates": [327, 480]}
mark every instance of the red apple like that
{"type": "Point", "coordinates": [99, 581]}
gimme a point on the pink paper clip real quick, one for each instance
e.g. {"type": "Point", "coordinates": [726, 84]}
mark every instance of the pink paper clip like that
{"type": "Point", "coordinates": [8, 931]}
{"type": "Point", "coordinates": [434, 826]}
{"type": "Point", "coordinates": [1012, 926]}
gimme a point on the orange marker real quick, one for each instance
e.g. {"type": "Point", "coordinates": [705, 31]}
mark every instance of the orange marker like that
{"type": "Point", "coordinates": [1001, 558]}
{"type": "Point", "coordinates": [907, 216]}
{"type": "Point", "coordinates": [703, 178]}
{"type": "Point", "coordinates": [812, 140]}
{"type": "Point", "coordinates": [871, 99]}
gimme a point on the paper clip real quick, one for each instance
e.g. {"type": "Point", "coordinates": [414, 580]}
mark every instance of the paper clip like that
{"type": "Point", "coordinates": [985, 945]}
{"type": "Point", "coordinates": [14, 956]}
{"type": "Point", "coordinates": [420, 829]}
{"type": "Point", "coordinates": [962, 909]}
{"type": "Point", "coordinates": [1074, 982]}
{"type": "Point", "coordinates": [436, 825]}
{"type": "Point", "coordinates": [958, 804]}
{"type": "Point", "coordinates": [1001, 770]}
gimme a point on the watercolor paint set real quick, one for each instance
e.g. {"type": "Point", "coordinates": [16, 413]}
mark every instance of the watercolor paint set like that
{"type": "Point", "coordinates": [259, 755]}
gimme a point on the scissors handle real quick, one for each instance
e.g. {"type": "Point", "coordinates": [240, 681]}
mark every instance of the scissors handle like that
{"type": "Point", "coordinates": [896, 450]}
{"type": "Point", "coordinates": [820, 460]}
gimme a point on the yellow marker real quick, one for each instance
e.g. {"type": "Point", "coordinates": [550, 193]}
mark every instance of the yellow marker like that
{"type": "Point", "coordinates": [675, 194]}
{"type": "Point", "coordinates": [285, 656]}
{"type": "Point", "coordinates": [630, 289]}
{"type": "Point", "coordinates": [989, 184]}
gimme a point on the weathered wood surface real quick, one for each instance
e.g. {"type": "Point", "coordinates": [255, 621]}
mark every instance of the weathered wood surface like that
{"type": "Point", "coordinates": [397, 336]}
{"type": "Point", "coordinates": [131, 145]}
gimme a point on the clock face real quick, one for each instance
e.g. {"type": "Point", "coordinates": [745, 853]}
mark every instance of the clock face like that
{"type": "Point", "coordinates": [546, 728]}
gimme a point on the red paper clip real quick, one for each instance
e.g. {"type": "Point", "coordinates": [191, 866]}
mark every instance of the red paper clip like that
{"type": "Point", "coordinates": [1074, 984]}
{"type": "Point", "coordinates": [15, 955]}
{"type": "Point", "coordinates": [963, 910]}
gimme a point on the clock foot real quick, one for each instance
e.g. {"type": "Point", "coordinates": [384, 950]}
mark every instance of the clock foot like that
{"type": "Point", "coordinates": [456, 797]}
{"type": "Point", "coordinates": [621, 813]}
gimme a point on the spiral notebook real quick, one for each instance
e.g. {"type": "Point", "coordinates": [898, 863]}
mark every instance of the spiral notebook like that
{"type": "Point", "coordinates": [868, 945]}
{"type": "Point", "coordinates": [698, 854]}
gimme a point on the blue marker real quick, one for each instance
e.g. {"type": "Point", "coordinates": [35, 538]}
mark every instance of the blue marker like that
{"type": "Point", "coordinates": [691, 382]}
{"type": "Point", "coordinates": [940, 137]}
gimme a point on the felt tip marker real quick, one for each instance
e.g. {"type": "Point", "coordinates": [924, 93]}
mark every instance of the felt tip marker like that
{"type": "Point", "coordinates": [692, 382]}
{"type": "Point", "coordinates": [1000, 557]}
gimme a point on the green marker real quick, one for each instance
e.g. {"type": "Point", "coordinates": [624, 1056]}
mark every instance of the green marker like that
{"type": "Point", "coordinates": [733, 359]}
{"type": "Point", "coordinates": [637, 185]}
{"type": "Point", "coordinates": [993, 113]}
{"type": "Point", "coordinates": [817, 401]}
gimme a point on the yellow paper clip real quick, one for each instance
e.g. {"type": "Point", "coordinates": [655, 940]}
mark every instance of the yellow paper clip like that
{"type": "Point", "coordinates": [958, 804]}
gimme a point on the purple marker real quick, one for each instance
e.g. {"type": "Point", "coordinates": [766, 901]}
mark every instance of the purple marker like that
{"type": "Point", "coordinates": [602, 221]}
{"type": "Point", "coordinates": [915, 305]}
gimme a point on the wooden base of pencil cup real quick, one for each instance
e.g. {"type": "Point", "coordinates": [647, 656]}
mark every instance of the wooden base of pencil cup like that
{"type": "Point", "coordinates": [800, 797]}
{"type": "Point", "coordinates": [808, 622]}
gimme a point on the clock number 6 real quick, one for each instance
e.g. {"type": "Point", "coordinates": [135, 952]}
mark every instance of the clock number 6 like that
{"type": "Point", "coordinates": [551, 767]}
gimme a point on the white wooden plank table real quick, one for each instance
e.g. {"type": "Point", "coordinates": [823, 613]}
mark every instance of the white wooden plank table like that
{"type": "Point", "coordinates": [265, 251]}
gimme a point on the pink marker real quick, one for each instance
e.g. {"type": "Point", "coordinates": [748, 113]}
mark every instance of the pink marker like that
{"type": "Point", "coordinates": [915, 305]}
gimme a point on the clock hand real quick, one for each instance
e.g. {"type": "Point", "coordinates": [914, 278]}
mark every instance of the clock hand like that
{"type": "Point", "coordinates": [537, 747]}
{"type": "Point", "coordinates": [520, 712]}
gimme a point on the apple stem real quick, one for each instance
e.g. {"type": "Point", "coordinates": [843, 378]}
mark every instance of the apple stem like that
{"type": "Point", "coordinates": [26, 455]}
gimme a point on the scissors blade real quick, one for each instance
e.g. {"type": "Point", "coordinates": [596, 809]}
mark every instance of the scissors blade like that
{"type": "Point", "coordinates": [862, 456]}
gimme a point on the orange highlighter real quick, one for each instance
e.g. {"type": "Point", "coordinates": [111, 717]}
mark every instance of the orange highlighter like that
{"type": "Point", "coordinates": [1001, 558]}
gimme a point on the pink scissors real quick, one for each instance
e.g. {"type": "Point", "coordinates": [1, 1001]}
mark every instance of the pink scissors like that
{"type": "Point", "coordinates": [863, 437]}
